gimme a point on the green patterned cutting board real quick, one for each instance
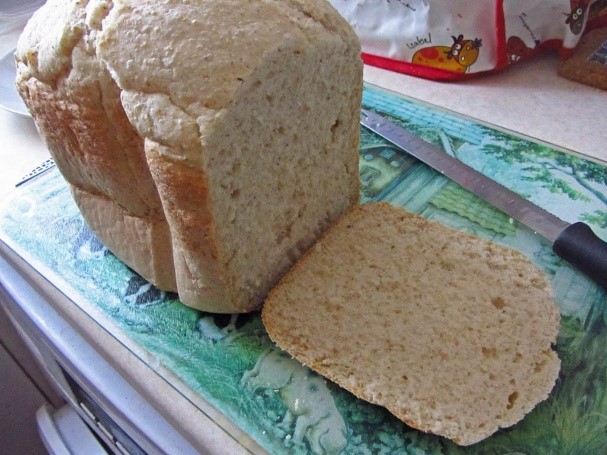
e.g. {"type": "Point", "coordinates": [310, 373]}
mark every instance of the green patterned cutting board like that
{"type": "Point", "coordinates": [230, 362]}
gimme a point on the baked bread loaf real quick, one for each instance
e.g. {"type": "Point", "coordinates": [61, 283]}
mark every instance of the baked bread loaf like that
{"type": "Point", "coordinates": [588, 61]}
{"type": "Point", "coordinates": [451, 333]}
{"type": "Point", "coordinates": [206, 142]}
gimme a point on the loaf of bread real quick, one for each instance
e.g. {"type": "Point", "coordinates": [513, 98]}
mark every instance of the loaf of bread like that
{"type": "Point", "coordinates": [451, 333]}
{"type": "Point", "coordinates": [207, 143]}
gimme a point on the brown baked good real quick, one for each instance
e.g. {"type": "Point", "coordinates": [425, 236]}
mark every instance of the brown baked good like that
{"type": "Point", "coordinates": [449, 332]}
{"type": "Point", "coordinates": [588, 62]}
{"type": "Point", "coordinates": [207, 143]}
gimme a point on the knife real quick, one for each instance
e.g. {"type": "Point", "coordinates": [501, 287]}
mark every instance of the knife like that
{"type": "Point", "coordinates": [576, 242]}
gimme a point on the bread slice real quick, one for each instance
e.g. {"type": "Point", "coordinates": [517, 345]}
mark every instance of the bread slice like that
{"type": "Point", "coordinates": [449, 332]}
{"type": "Point", "coordinates": [224, 131]}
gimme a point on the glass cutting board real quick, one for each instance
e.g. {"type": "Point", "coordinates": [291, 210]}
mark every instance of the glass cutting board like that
{"type": "Point", "coordinates": [230, 363]}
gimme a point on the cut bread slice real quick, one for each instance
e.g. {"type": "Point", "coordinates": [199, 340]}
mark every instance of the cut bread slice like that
{"type": "Point", "coordinates": [449, 332]}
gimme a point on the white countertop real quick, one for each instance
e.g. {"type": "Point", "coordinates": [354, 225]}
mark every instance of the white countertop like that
{"type": "Point", "coordinates": [530, 99]}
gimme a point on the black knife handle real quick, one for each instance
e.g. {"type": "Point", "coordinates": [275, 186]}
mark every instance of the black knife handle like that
{"type": "Point", "coordinates": [579, 246]}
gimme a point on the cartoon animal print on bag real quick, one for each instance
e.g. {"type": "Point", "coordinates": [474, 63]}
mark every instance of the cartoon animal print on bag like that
{"type": "Point", "coordinates": [576, 17]}
{"type": "Point", "coordinates": [457, 58]}
{"type": "Point", "coordinates": [517, 50]}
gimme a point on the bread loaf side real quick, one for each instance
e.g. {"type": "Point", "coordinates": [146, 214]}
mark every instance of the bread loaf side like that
{"type": "Point", "coordinates": [225, 132]}
{"type": "Point", "coordinates": [451, 333]}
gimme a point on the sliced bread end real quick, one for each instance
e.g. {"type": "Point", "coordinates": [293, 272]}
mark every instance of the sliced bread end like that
{"type": "Point", "coordinates": [451, 333]}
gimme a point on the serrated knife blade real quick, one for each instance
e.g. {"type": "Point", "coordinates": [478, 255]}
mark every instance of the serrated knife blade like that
{"type": "Point", "coordinates": [576, 243]}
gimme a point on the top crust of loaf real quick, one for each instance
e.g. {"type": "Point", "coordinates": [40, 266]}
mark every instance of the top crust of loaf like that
{"type": "Point", "coordinates": [198, 54]}
{"type": "Point", "coordinates": [449, 332]}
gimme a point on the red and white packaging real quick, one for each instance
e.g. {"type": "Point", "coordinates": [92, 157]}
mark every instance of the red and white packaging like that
{"type": "Point", "coordinates": [455, 39]}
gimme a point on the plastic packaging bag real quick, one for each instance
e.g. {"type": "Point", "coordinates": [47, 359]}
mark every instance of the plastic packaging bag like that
{"type": "Point", "coordinates": [454, 39]}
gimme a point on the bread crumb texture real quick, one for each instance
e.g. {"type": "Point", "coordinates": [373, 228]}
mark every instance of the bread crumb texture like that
{"type": "Point", "coordinates": [228, 128]}
{"type": "Point", "coordinates": [451, 333]}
